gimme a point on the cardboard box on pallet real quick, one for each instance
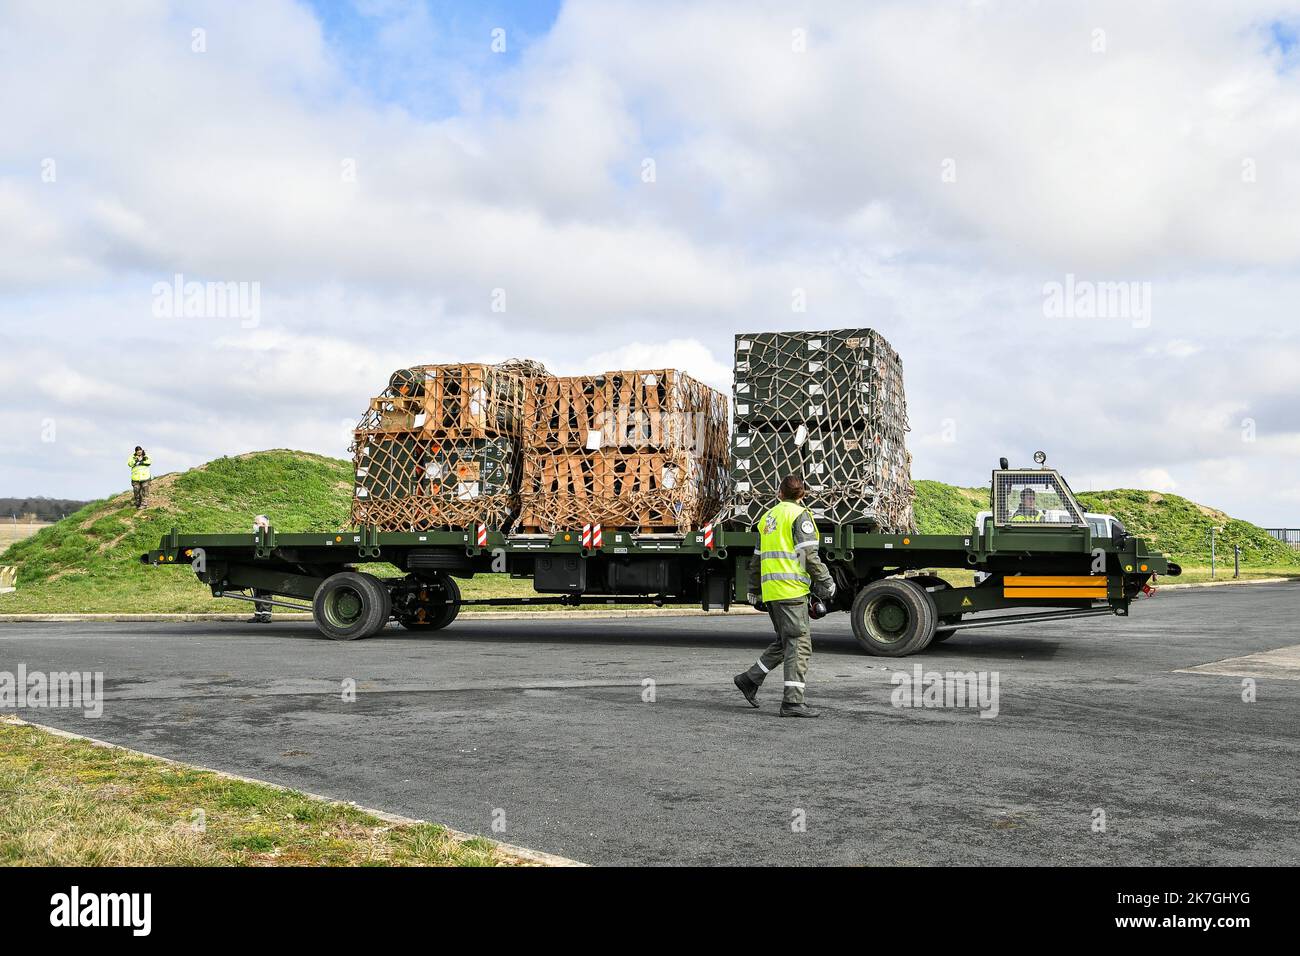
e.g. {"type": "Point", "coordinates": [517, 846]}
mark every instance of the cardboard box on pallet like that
{"type": "Point", "coordinates": [408, 482]}
{"type": "Point", "coordinates": [643, 450]}
{"type": "Point", "coordinates": [440, 447]}
{"type": "Point", "coordinates": [462, 401]}
{"type": "Point", "coordinates": [830, 408]}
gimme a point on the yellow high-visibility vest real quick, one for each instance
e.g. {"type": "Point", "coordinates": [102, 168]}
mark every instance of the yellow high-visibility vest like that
{"type": "Point", "coordinates": [140, 471]}
{"type": "Point", "coordinates": [780, 568]}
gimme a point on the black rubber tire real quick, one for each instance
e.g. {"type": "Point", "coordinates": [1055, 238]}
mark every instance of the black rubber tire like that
{"type": "Point", "coordinates": [893, 617]}
{"type": "Point", "coordinates": [941, 633]}
{"type": "Point", "coordinates": [350, 605]}
{"type": "Point", "coordinates": [444, 616]}
{"type": "Point", "coordinates": [383, 595]}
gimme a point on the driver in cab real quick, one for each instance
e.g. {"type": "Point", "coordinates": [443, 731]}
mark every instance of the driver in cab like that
{"type": "Point", "coordinates": [1028, 510]}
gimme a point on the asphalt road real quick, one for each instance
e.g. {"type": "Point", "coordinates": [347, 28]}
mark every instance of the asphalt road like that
{"type": "Point", "coordinates": [544, 723]}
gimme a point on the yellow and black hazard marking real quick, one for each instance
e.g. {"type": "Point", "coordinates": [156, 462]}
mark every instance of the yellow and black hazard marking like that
{"type": "Point", "coordinates": [1055, 586]}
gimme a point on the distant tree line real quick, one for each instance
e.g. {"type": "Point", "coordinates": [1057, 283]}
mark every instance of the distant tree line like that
{"type": "Point", "coordinates": [38, 508]}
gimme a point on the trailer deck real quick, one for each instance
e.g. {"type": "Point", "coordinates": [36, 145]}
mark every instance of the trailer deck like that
{"type": "Point", "coordinates": [887, 583]}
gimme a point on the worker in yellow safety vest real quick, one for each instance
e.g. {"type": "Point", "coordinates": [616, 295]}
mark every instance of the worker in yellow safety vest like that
{"type": "Point", "coordinates": [1028, 510]}
{"type": "Point", "coordinates": [781, 575]}
{"type": "Point", "coordinates": [140, 463]}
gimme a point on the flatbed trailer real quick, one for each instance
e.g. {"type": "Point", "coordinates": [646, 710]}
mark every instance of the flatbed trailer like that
{"type": "Point", "coordinates": [898, 605]}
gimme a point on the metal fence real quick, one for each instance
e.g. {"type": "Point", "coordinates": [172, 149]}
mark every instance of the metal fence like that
{"type": "Point", "coordinates": [1289, 536]}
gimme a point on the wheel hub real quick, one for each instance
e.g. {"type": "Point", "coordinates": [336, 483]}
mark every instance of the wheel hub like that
{"type": "Point", "coordinates": [887, 620]}
{"type": "Point", "coordinates": [344, 606]}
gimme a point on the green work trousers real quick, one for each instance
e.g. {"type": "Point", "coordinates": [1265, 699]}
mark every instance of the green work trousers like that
{"type": "Point", "coordinates": [793, 647]}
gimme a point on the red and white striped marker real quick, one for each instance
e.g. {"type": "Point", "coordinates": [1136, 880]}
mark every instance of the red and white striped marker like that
{"type": "Point", "coordinates": [708, 536]}
{"type": "Point", "coordinates": [597, 540]}
{"type": "Point", "coordinates": [482, 536]}
{"type": "Point", "coordinates": [586, 536]}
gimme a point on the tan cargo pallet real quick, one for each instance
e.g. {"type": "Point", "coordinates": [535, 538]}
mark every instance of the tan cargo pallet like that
{"type": "Point", "coordinates": [657, 409]}
{"type": "Point", "coordinates": [642, 449]}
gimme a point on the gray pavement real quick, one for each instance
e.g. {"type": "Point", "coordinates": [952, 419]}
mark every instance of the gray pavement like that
{"type": "Point", "coordinates": [545, 722]}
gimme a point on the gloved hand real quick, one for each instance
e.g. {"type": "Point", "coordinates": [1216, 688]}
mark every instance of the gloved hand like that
{"type": "Point", "coordinates": [826, 593]}
{"type": "Point", "coordinates": [756, 601]}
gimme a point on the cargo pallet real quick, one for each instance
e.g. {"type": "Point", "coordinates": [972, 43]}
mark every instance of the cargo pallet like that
{"type": "Point", "coordinates": [1038, 571]}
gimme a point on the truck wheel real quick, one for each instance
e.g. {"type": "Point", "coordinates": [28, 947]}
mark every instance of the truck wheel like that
{"type": "Point", "coordinates": [893, 617]}
{"type": "Point", "coordinates": [932, 582]}
{"type": "Point", "coordinates": [385, 596]}
{"type": "Point", "coordinates": [433, 615]}
{"type": "Point", "coordinates": [349, 605]}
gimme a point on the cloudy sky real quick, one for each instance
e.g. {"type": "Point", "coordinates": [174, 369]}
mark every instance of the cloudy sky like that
{"type": "Point", "coordinates": [1078, 223]}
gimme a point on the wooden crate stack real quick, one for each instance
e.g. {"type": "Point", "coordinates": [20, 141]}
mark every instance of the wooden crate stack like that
{"type": "Point", "coordinates": [642, 450]}
{"type": "Point", "coordinates": [440, 448]}
{"type": "Point", "coordinates": [460, 401]}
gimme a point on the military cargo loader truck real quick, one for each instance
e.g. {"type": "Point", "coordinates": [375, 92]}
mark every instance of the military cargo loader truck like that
{"type": "Point", "coordinates": [1037, 558]}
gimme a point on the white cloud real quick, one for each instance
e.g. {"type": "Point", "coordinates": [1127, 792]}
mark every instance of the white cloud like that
{"type": "Point", "coordinates": [1174, 348]}
{"type": "Point", "coordinates": [1157, 479]}
{"type": "Point", "coordinates": [775, 170]}
{"type": "Point", "coordinates": [688, 355]}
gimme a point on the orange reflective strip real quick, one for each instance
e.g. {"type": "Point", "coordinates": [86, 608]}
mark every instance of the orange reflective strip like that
{"type": "Point", "coordinates": [1054, 592]}
{"type": "Point", "coordinates": [1055, 581]}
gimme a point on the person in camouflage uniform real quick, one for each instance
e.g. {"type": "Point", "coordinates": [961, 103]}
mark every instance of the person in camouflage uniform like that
{"type": "Point", "coordinates": [139, 463]}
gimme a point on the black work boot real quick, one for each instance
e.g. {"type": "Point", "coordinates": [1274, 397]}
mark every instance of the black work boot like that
{"type": "Point", "coordinates": [798, 710]}
{"type": "Point", "coordinates": [746, 687]}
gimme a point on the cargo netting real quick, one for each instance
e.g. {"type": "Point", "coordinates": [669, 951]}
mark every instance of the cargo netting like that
{"type": "Point", "coordinates": [639, 450]}
{"type": "Point", "coordinates": [440, 447]}
{"type": "Point", "coordinates": [828, 407]}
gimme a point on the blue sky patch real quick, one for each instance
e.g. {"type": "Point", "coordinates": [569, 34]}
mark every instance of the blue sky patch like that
{"type": "Point", "coordinates": [434, 59]}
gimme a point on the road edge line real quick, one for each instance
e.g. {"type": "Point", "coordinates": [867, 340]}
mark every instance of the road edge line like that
{"type": "Point", "coordinates": [1222, 584]}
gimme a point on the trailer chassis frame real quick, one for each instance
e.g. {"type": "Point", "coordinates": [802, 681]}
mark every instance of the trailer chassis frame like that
{"type": "Point", "coordinates": [710, 571]}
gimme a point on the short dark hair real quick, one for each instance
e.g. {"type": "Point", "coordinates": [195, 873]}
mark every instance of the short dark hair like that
{"type": "Point", "coordinates": [792, 488]}
{"type": "Point", "coordinates": [138, 448]}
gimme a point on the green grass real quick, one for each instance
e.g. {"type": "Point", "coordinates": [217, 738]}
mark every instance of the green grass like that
{"type": "Point", "coordinates": [88, 562]}
{"type": "Point", "coordinates": [72, 803]}
{"type": "Point", "coordinates": [947, 509]}
{"type": "Point", "coordinates": [1200, 573]}
{"type": "Point", "coordinates": [1181, 528]}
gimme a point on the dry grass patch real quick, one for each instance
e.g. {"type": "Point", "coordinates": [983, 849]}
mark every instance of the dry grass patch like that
{"type": "Point", "coordinates": [72, 803]}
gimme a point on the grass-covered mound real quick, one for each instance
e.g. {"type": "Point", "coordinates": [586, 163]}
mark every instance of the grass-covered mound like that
{"type": "Point", "coordinates": [1180, 527]}
{"type": "Point", "coordinates": [89, 561]}
{"type": "Point", "coordinates": [947, 509]}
